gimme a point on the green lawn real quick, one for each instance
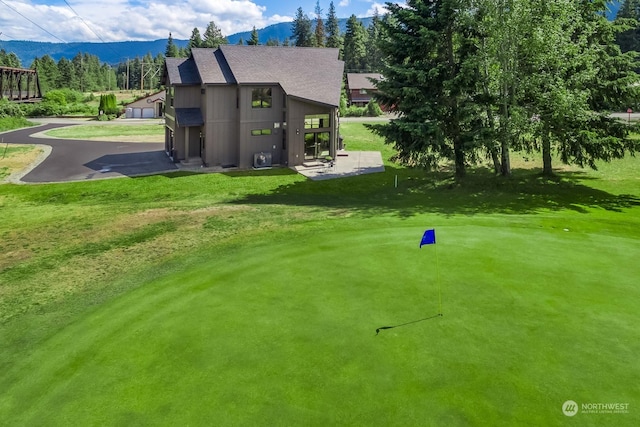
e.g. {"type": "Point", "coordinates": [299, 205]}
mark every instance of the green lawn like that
{"type": "Point", "coordinates": [90, 131]}
{"type": "Point", "coordinates": [253, 298]}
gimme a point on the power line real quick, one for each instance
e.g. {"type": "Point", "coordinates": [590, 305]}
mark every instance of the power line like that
{"type": "Point", "coordinates": [84, 22]}
{"type": "Point", "coordinates": [107, 44]}
{"type": "Point", "coordinates": [37, 25]}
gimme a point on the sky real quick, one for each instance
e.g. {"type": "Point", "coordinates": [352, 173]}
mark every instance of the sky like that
{"type": "Point", "coordinates": [123, 20]}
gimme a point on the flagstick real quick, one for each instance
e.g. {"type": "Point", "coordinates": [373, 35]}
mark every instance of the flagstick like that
{"type": "Point", "coordinates": [439, 289]}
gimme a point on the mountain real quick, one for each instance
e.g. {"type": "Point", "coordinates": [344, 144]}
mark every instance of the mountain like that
{"type": "Point", "coordinates": [117, 52]}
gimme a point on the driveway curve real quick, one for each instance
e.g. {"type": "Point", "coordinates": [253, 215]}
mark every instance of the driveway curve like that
{"type": "Point", "coordinates": [77, 160]}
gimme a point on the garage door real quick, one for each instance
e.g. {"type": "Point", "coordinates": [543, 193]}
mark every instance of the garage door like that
{"type": "Point", "coordinates": [148, 113]}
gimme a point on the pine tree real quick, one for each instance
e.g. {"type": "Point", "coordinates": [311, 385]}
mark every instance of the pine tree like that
{"type": "Point", "coordinates": [319, 32]}
{"type": "Point", "coordinates": [628, 16]}
{"type": "Point", "coordinates": [355, 46]}
{"type": "Point", "coordinates": [429, 77]}
{"type": "Point", "coordinates": [213, 36]}
{"type": "Point", "coordinates": [373, 56]}
{"type": "Point", "coordinates": [48, 73]}
{"type": "Point", "coordinates": [195, 41]}
{"type": "Point", "coordinates": [301, 30]}
{"type": "Point", "coordinates": [171, 51]}
{"type": "Point", "coordinates": [334, 39]}
{"type": "Point", "coordinates": [254, 40]}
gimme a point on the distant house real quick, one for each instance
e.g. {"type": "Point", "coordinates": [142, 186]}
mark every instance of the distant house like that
{"type": "Point", "coordinates": [149, 107]}
{"type": "Point", "coordinates": [360, 87]}
{"type": "Point", "coordinates": [252, 106]}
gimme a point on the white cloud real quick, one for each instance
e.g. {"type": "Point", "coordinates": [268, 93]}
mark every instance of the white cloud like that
{"type": "Point", "coordinates": [118, 20]}
{"type": "Point", "coordinates": [344, 3]}
{"type": "Point", "coordinates": [380, 7]}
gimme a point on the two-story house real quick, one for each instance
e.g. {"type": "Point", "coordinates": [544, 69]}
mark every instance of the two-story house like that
{"type": "Point", "coordinates": [252, 106]}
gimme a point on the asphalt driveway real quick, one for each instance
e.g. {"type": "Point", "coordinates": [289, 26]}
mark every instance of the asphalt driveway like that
{"type": "Point", "coordinates": [76, 160]}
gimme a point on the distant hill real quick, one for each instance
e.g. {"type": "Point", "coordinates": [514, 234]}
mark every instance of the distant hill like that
{"type": "Point", "coordinates": [116, 52]}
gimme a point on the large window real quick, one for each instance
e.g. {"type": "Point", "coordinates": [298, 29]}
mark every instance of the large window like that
{"type": "Point", "coordinates": [316, 121]}
{"type": "Point", "coordinates": [261, 97]}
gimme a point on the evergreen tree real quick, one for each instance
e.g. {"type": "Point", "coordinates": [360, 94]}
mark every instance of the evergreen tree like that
{"type": "Point", "coordinates": [171, 50]}
{"type": "Point", "coordinates": [301, 30]}
{"type": "Point", "coordinates": [195, 40]}
{"type": "Point", "coordinates": [319, 32]}
{"type": "Point", "coordinates": [9, 59]}
{"type": "Point", "coordinates": [254, 40]}
{"type": "Point", "coordinates": [628, 17]}
{"type": "Point", "coordinates": [48, 73]}
{"type": "Point", "coordinates": [67, 76]}
{"type": "Point", "coordinates": [213, 36]}
{"type": "Point", "coordinates": [429, 80]}
{"type": "Point", "coordinates": [373, 54]}
{"type": "Point", "coordinates": [273, 42]}
{"type": "Point", "coordinates": [334, 39]}
{"type": "Point", "coordinates": [355, 46]}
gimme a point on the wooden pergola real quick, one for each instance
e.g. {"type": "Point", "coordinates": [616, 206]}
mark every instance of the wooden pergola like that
{"type": "Point", "coordinates": [19, 84]}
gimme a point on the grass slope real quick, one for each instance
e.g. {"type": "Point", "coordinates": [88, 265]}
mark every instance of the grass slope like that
{"type": "Point", "coordinates": [253, 299]}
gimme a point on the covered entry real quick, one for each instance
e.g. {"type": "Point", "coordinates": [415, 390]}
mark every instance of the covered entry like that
{"type": "Point", "coordinates": [186, 141]}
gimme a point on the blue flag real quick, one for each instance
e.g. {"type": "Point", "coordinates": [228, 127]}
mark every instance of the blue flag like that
{"type": "Point", "coordinates": [428, 238]}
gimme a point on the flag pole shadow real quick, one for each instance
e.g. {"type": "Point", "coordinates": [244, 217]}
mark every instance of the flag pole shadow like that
{"type": "Point", "coordinates": [408, 323]}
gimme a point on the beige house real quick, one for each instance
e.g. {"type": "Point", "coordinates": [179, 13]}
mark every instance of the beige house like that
{"type": "Point", "coordinates": [253, 106]}
{"type": "Point", "coordinates": [149, 107]}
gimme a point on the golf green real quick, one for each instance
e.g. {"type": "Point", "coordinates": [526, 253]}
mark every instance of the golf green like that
{"type": "Point", "coordinates": [281, 330]}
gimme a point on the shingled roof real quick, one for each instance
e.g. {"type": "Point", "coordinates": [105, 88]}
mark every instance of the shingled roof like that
{"type": "Point", "coordinates": [313, 74]}
{"type": "Point", "coordinates": [181, 71]}
{"type": "Point", "coordinates": [362, 80]}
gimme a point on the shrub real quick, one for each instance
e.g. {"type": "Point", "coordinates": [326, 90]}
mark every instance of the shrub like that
{"type": "Point", "coordinates": [373, 109]}
{"type": "Point", "coordinates": [55, 97]}
{"type": "Point", "coordinates": [10, 109]}
{"type": "Point", "coordinates": [108, 104]}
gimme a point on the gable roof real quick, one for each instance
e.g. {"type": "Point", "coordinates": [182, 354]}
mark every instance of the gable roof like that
{"type": "Point", "coordinates": [149, 99]}
{"type": "Point", "coordinates": [362, 80]}
{"type": "Point", "coordinates": [181, 71]}
{"type": "Point", "coordinates": [314, 74]}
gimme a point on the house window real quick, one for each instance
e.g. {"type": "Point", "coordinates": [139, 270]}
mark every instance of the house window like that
{"type": "Point", "coordinates": [259, 132]}
{"type": "Point", "coordinates": [363, 91]}
{"type": "Point", "coordinates": [316, 121]}
{"type": "Point", "coordinates": [261, 97]}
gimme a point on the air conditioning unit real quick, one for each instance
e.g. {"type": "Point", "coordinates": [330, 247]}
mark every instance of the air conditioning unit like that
{"type": "Point", "coordinates": [262, 160]}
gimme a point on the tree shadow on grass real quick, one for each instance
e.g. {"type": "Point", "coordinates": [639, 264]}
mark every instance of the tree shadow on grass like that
{"type": "Point", "coordinates": [480, 192]}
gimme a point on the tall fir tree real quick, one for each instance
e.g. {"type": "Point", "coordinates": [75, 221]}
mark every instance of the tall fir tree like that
{"type": "Point", "coordinates": [334, 38]}
{"type": "Point", "coordinates": [628, 16]}
{"type": "Point", "coordinates": [213, 37]}
{"type": "Point", "coordinates": [319, 32]}
{"type": "Point", "coordinates": [301, 29]}
{"type": "Point", "coordinates": [254, 40]}
{"type": "Point", "coordinates": [355, 46]}
{"type": "Point", "coordinates": [171, 51]}
{"type": "Point", "coordinates": [429, 77]}
{"type": "Point", "coordinates": [374, 56]}
{"type": "Point", "coordinates": [195, 40]}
